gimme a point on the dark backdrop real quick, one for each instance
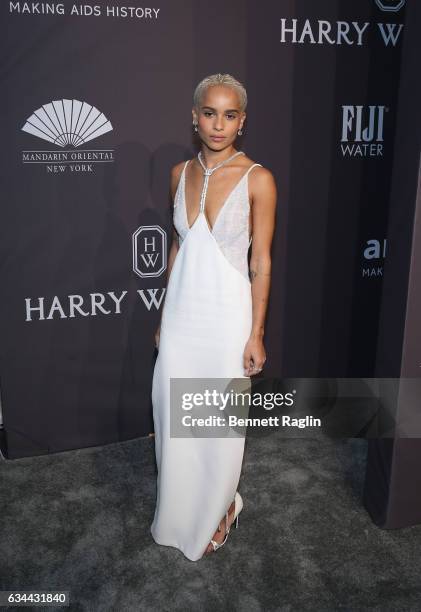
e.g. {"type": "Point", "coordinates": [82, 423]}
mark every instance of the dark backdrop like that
{"type": "Point", "coordinates": [92, 218]}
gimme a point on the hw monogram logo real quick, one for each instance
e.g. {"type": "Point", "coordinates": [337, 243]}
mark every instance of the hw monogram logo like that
{"type": "Point", "coordinates": [392, 6]}
{"type": "Point", "coordinates": [149, 251]}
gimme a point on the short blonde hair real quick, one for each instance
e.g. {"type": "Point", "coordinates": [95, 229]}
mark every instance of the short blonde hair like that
{"type": "Point", "coordinates": [220, 79]}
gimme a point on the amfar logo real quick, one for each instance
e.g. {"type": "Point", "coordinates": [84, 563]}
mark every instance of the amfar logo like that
{"type": "Point", "coordinates": [390, 5]}
{"type": "Point", "coordinates": [149, 251]}
{"type": "Point", "coordinates": [374, 250]}
{"type": "Point", "coordinates": [67, 123]}
{"type": "Point", "coordinates": [362, 126]}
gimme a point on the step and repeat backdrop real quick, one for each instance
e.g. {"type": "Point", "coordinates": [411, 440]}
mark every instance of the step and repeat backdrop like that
{"type": "Point", "coordinates": [96, 109]}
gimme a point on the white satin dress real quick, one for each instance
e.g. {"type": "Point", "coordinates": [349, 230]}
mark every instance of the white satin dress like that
{"type": "Point", "coordinates": [205, 324]}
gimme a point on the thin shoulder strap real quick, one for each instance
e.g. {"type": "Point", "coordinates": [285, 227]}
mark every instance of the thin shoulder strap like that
{"type": "Point", "coordinates": [185, 166]}
{"type": "Point", "coordinates": [251, 167]}
{"type": "Point", "coordinates": [182, 178]}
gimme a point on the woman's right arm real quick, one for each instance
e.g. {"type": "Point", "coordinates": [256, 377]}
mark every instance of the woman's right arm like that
{"type": "Point", "coordinates": [172, 254]}
{"type": "Point", "coordinates": [175, 177]}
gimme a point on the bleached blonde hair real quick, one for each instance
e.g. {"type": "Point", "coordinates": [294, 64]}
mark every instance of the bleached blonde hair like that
{"type": "Point", "coordinates": [220, 79]}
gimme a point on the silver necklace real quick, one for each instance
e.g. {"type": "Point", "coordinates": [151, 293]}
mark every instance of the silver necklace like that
{"type": "Point", "coordinates": [208, 171]}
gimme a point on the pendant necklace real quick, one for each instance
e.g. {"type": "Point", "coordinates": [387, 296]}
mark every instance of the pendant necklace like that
{"type": "Point", "coordinates": [207, 172]}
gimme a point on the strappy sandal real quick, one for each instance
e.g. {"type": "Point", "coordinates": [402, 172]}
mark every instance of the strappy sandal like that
{"type": "Point", "coordinates": [238, 506]}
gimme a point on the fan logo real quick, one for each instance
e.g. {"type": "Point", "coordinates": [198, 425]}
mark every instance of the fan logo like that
{"type": "Point", "coordinates": [67, 124]}
{"type": "Point", "coordinates": [392, 6]}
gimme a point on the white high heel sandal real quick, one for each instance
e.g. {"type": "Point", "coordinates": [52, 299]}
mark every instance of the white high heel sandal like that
{"type": "Point", "coordinates": [238, 506]}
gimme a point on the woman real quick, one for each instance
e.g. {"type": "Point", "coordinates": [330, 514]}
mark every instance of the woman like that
{"type": "Point", "coordinates": [212, 322]}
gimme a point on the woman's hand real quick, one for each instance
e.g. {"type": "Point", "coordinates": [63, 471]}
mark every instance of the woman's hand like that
{"type": "Point", "coordinates": [157, 336]}
{"type": "Point", "coordinates": [254, 356]}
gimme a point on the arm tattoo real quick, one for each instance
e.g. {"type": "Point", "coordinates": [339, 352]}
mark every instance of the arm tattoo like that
{"type": "Point", "coordinates": [253, 274]}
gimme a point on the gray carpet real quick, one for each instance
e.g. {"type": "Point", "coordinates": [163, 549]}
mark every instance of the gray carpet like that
{"type": "Point", "coordinates": [79, 521]}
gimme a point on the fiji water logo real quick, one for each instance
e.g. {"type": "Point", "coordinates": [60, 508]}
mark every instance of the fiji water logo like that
{"type": "Point", "coordinates": [67, 124]}
{"type": "Point", "coordinates": [362, 130]}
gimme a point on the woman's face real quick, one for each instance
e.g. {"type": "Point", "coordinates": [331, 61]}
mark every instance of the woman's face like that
{"type": "Point", "coordinates": [219, 117]}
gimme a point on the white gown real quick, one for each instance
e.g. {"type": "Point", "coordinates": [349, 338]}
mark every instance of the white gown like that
{"type": "Point", "coordinates": [206, 322]}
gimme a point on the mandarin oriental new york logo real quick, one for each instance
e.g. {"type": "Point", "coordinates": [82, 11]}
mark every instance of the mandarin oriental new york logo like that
{"type": "Point", "coordinates": [67, 125]}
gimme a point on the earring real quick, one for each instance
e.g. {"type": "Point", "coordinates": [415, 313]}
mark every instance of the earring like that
{"type": "Point", "coordinates": [195, 126]}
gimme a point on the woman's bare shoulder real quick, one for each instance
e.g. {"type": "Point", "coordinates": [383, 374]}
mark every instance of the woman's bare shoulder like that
{"type": "Point", "coordinates": [176, 172]}
{"type": "Point", "coordinates": [261, 181]}
{"type": "Point", "coordinates": [177, 169]}
{"type": "Point", "coordinates": [259, 169]}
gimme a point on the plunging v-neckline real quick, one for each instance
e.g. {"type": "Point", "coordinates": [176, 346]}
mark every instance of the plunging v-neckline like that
{"type": "Point", "coordinates": [211, 229]}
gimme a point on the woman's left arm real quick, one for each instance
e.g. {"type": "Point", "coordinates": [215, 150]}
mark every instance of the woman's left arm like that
{"type": "Point", "coordinates": [263, 194]}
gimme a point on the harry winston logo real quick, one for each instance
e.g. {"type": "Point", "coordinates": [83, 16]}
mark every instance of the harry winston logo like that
{"type": "Point", "coordinates": [149, 251]}
{"type": "Point", "coordinates": [392, 6]}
